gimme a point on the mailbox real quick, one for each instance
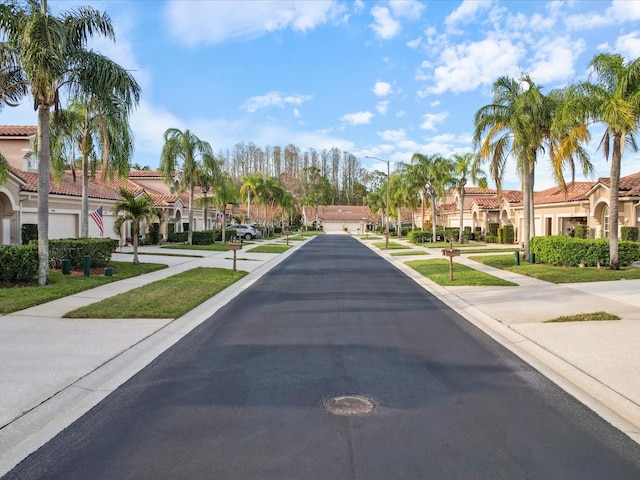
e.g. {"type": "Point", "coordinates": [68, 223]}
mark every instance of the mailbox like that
{"type": "Point", "coordinates": [234, 246]}
{"type": "Point", "coordinates": [451, 252]}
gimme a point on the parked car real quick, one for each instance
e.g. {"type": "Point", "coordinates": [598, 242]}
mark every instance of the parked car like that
{"type": "Point", "coordinates": [248, 232]}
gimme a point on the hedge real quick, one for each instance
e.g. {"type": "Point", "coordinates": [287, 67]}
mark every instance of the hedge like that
{"type": "Point", "coordinates": [629, 233]}
{"type": "Point", "coordinates": [493, 229]}
{"type": "Point", "coordinates": [581, 231]}
{"type": "Point", "coordinates": [29, 231]}
{"type": "Point", "coordinates": [509, 234]}
{"type": "Point", "coordinates": [19, 263]}
{"type": "Point", "coordinates": [420, 236]}
{"type": "Point", "coordinates": [75, 249]}
{"type": "Point", "coordinates": [572, 252]}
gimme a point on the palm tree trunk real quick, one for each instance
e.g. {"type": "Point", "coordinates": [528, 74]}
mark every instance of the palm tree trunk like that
{"type": "Point", "coordinates": [44, 170]}
{"type": "Point", "coordinates": [190, 232]}
{"type": "Point", "coordinates": [135, 227]}
{"type": "Point", "coordinates": [433, 216]}
{"type": "Point", "coordinates": [616, 155]}
{"type": "Point", "coordinates": [84, 217]}
{"type": "Point", "coordinates": [526, 210]}
{"type": "Point", "coordinates": [249, 203]}
{"type": "Point", "coordinates": [461, 225]}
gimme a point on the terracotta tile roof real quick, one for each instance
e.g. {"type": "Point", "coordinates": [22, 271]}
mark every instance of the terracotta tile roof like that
{"type": "Point", "coordinates": [479, 191]}
{"type": "Point", "coordinates": [147, 174]}
{"type": "Point", "coordinates": [630, 185]}
{"type": "Point", "coordinates": [575, 192]}
{"type": "Point", "coordinates": [343, 212]}
{"type": "Point", "coordinates": [67, 186]}
{"type": "Point", "coordinates": [17, 130]}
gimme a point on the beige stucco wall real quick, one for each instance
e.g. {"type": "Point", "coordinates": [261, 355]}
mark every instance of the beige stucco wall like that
{"type": "Point", "coordinates": [17, 151]}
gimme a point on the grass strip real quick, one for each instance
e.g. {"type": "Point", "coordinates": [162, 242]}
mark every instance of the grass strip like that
{"type": "Point", "coordinates": [585, 317]}
{"type": "Point", "coordinates": [168, 298]}
{"type": "Point", "coordinates": [20, 297]}
{"type": "Point", "coordinates": [555, 274]}
{"type": "Point", "coordinates": [490, 250]}
{"type": "Point", "coordinates": [163, 254]}
{"type": "Point", "coordinates": [392, 246]}
{"type": "Point", "coordinates": [438, 271]}
{"type": "Point", "coordinates": [214, 247]}
{"type": "Point", "coordinates": [270, 248]}
{"type": "Point", "coordinates": [410, 252]}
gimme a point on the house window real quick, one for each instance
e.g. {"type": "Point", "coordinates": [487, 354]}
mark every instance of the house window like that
{"type": "Point", "coordinates": [606, 226]}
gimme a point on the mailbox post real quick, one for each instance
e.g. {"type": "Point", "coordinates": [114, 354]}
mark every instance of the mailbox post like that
{"type": "Point", "coordinates": [235, 247]}
{"type": "Point", "coordinates": [287, 233]}
{"type": "Point", "coordinates": [451, 252]}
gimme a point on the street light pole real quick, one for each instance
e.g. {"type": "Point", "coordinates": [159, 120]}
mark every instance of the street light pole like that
{"type": "Point", "coordinates": [386, 232]}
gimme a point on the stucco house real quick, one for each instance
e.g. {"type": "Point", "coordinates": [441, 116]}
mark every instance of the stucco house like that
{"type": "Point", "coordinates": [338, 218]}
{"type": "Point", "coordinates": [557, 210]}
{"type": "Point", "coordinates": [19, 196]}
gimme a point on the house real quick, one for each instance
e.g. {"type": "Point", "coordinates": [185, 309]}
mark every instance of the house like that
{"type": "Point", "coordinates": [338, 218]}
{"type": "Point", "coordinates": [19, 196]}
{"type": "Point", "coordinates": [557, 210]}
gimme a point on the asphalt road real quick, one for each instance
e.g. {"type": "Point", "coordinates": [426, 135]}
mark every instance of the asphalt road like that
{"type": "Point", "coordinates": [242, 396]}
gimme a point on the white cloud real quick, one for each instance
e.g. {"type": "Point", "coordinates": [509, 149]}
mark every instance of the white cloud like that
{"type": "Point", "coordinates": [435, 103]}
{"type": "Point", "coordinates": [414, 43]}
{"type": "Point", "coordinates": [195, 23]}
{"type": "Point", "coordinates": [466, 12]}
{"type": "Point", "coordinates": [619, 12]}
{"type": "Point", "coordinates": [393, 135]}
{"type": "Point", "coordinates": [358, 118]}
{"type": "Point", "coordinates": [554, 58]}
{"type": "Point", "coordinates": [382, 107]}
{"type": "Point", "coordinates": [381, 89]}
{"type": "Point", "coordinates": [385, 26]}
{"type": "Point", "coordinates": [629, 45]}
{"type": "Point", "coordinates": [273, 99]}
{"type": "Point", "coordinates": [410, 9]}
{"type": "Point", "coordinates": [431, 119]}
{"type": "Point", "coordinates": [466, 66]}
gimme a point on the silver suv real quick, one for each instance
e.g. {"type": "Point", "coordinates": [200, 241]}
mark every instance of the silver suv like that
{"type": "Point", "coordinates": [248, 232]}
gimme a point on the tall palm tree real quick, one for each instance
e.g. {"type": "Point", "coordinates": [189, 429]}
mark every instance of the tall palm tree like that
{"type": "Point", "coordinates": [185, 152]}
{"type": "Point", "coordinates": [430, 175]}
{"type": "Point", "coordinates": [96, 129]}
{"type": "Point", "coordinates": [518, 124]}
{"type": "Point", "coordinates": [206, 178]}
{"type": "Point", "coordinates": [466, 167]}
{"type": "Point", "coordinates": [52, 54]}
{"type": "Point", "coordinates": [613, 100]}
{"type": "Point", "coordinates": [135, 210]}
{"type": "Point", "coordinates": [223, 193]}
{"type": "Point", "coordinates": [250, 186]}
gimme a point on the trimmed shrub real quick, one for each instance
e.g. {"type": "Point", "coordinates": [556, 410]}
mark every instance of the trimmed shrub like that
{"type": "Point", "coordinates": [204, 237]}
{"type": "Point", "coordinates": [154, 234]}
{"type": "Point", "coordinates": [29, 231]}
{"type": "Point", "coordinates": [509, 234]}
{"type": "Point", "coordinates": [581, 231]}
{"type": "Point", "coordinates": [493, 229]}
{"type": "Point", "coordinates": [501, 235]}
{"type": "Point", "coordinates": [629, 234]}
{"type": "Point", "coordinates": [177, 237]}
{"type": "Point", "coordinates": [419, 236]}
{"type": "Point", "coordinates": [75, 249]}
{"type": "Point", "coordinates": [572, 252]}
{"type": "Point", "coordinates": [19, 263]}
{"type": "Point", "coordinates": [491, 239]}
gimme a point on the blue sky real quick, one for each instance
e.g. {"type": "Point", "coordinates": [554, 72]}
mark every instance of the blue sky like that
{"type": "Point", "coordinates": [382, 79]}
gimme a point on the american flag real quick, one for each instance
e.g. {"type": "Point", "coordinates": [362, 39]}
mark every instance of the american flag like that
{"type": "Point", "coordinates": [97, 217]}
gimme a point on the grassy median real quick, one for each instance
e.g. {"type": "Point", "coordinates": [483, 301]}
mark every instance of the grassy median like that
{"type": "Point", "coordinates": [18, 297]}
{"type": "Point", "coordinates": [168, 298]}
{"type": "Point", "coordinates": [438, 271]}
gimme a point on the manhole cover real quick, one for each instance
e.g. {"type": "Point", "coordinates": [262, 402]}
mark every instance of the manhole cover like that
{"type": "Point", "coordinates": [349, 405]}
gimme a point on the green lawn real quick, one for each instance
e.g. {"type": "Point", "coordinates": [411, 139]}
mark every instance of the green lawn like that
{"type": "Point", "coordinates": [20, 297]}
{"type": "Point", "coordinates": [168, 298]}
{"type": "Point", "coordinates": [410, 252]}
{"type": "Point", "coordinates": [392, 246]}
{"type": "Point", "coordinates": [448, 244]}
{"type": "Point", "coordinates": [585, 317]}
{"type": "Point", "coordinates": [270, 248]}
{"type": "Point", "coordinates": [555, 274]}
{"type": "Point", "coordinates": [216, 247]}
{"type": "Point", "coordinates": [438, 271]}
{"type": "Point", "coordinates": [490, 250]}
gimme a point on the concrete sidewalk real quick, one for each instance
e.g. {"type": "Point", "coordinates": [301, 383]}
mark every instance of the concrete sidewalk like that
{"type": "Point", "coordinates": [53, 370]}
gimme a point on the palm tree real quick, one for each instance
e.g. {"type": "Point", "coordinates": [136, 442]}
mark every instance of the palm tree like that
{"type": "Point", "coordinates": [207, 176]}
{"type": "Point", "coordinates": [518, 124]}
{"type": "Point", "coordinates": [186, 152]}
{"type": "Point", "coordinates": [52, 53]}
{"type": "Point", "coordinates": [250, 186]}
{"type": "Point", "coordinates": [613, 100]}
{"type": "Point", "coordinates": [224, 192]}
{"type": "Point", "coordinates": [466, 167]}
{"type": "Point", "coordinates": [430, 174]}
{"type": "Point", "coordinates": [94, 128]}
{"type": "Point", "coordinates": [134, 210]}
